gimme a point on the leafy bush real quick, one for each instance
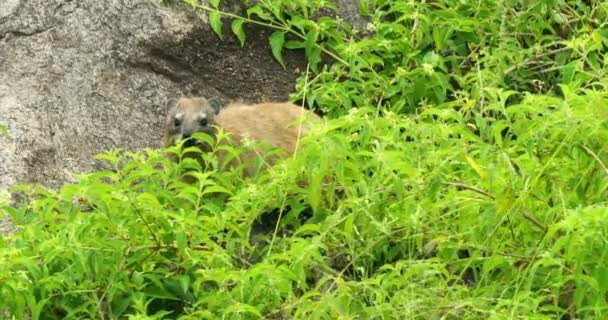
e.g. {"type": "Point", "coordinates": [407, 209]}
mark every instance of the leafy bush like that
{"type": "Point", "coordinates": [430, 52]}
{"type": "Point", "coordinates": [460, 174]}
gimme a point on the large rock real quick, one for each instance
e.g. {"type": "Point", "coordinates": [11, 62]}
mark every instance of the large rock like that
{"type": "Point", "coordinates": [78, 77]}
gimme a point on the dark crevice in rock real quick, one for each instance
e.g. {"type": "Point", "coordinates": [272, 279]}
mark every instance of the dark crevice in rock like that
{"type": "Point", "coordinates": [29, 33]}
{"type": "Point", "coordinates": [76, 5]}
{"type": "Point", "coordinates": [225, 66]}
{"type": "Point", "coordinates": [159, 69]}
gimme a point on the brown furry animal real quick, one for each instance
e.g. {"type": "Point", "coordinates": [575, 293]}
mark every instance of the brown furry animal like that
{"type": "Point", "coordinates": [276, 124]}
{"type": "Point", "coordinates": [187, 116]}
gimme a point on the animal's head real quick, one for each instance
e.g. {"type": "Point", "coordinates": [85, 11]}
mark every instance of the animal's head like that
{"type": "Point", "coordinates": [189, 115]}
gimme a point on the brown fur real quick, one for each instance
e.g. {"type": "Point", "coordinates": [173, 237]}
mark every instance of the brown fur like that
{"type": "Point", "coordinates": [187, 116]}
{"type": "Point", "coordinates": [276, 124]}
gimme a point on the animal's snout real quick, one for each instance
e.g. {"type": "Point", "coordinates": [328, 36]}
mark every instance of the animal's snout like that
{"type": "Point", "coordinates": [187, 134]}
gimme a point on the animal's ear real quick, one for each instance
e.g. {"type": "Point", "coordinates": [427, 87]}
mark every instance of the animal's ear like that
{"type": "Point", "coordinates": [215, 104]}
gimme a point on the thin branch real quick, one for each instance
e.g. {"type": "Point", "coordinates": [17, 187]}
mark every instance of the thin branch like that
{"type": "Point", "coordinates": [272, 26]}
{"type": "Point", "coordinates": [158, 243]}
{"type": "Point", "coordinates": [302, 110]}
{"type": "Point", "coordinates": [517, 256]}
{"type": "Point", "coordinates": [464, 186]}
{"type": "Point", "coordinates": [416, 21]}
{"type": "Point", "coordinates": [599, 161]}
{"type": "Point", "coordinates": [525, 214]}
{"type": "Point", "coordinates": [536, 57]}
{"type": "Point", "coordinates": [534, 221]}
{"type": "Point", "coordinates": [103, 296]}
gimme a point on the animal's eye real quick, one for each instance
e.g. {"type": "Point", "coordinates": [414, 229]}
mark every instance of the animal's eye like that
{"type": "Point", "coordinates": [203, 122]}
{"type": "Point", "coordinates": [177, 122]}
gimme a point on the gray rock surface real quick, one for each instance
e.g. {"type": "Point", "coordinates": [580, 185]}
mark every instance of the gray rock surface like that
{"type": "Point", "coordinates": [348, 10]}
{"type": "Point", "coordinates": [78, 77]}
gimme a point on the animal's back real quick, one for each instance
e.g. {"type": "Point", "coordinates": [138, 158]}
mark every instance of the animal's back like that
{"type": "Point", "coordinates": [274, 123]}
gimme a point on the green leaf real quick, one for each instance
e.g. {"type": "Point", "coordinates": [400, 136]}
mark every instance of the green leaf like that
{"type": "Point", "coordinates": [216, 23]}
{"type": "Point", "coordinates": [364, 8]}
{"type": "Point", "coordinates": [119, 305]}
{"type": "Point", "coordinates": [192, 3]}
{"type": "Point", "coordinates": [237, 29]}
{"type": "Point", "coordinates": [181, 240]}
{"type": "Point", "coordinates": [241, 308]}
{"type": "Point", "coordinates": [4, 132]}
{"type": "Point", "coordinates": [184, 282]}
{"type": "Point", "coordinates": [313, 51]}
{"type": "Point", "coordinates": [301, 23]}
{"type": "Point", "coordinates": [314, 57]}
{"type": "Point", "coordinates": [257, 10]}
{"type": "Point", "coordinates": [277, 39]}
{"type": "Point", "coordinates": [292, 44]}
{"type": "Point", "coordinates": [214, 3]}
{"type": "Point", "coordinates": [217, 189]}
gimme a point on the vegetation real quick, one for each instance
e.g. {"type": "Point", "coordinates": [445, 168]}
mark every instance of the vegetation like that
{"type": "Point", "coordinates": [3, 132]}
{"type": "Point", "coordinates": [466, 179]}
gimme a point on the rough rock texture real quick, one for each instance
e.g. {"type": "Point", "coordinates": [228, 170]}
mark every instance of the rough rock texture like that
{"type": "Point", "coordinates": [81, 76]}
{"type": "Point", "coordinates": [78, 77]}
{"type": "Point", "coordinates": [348, 10]}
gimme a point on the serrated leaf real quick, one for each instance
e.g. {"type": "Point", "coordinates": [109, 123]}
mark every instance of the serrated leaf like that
{"type": "Point", "coordinates": [214, 3]}
{"type": "Point", "coordinates": [120, 305]}
{"type": "Point", "coordinates": [277, 39]}
{"type": "Point", "coordinates": [292, 44]}
{"type": "Point", "coordinates": [217, 189]}
{"type": "Point", "coordinates": [181, 240]}
{"type": "Point", "coordinates": [364, 8]}
{"type": "Point", "coordinates": [301, 23]}
{"type": "Point", "coordinates": [309, 229]}
{"type": "Point", "coordinates": [313, 52]}
{"type": "Point", "coordinates": [257, 10]}
{"type": "Point", "coordinates": [237, 29]}
{"type": "Point", "coordinates": [184, 282]}
{"type": "Point", "coordinates": [242, 308]}
{"type": "Point", "coordinates": [314, 57]}
{"type": "Point", "coordinates": [205, 137]}
{"type": "Point", "coordinates": [191, 3]}
{"type": "Point", "coordinates": [478, 169]}
{"type": "Point", "coordinates": [215, 22]}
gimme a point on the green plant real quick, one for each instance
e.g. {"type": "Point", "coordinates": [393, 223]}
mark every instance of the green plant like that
{"type": "Point", "coordinates": [429, 52]}
{"type": "Point", "coordinates": [460, 174]}
{"type": "Point", "coordinates": [4, 132]}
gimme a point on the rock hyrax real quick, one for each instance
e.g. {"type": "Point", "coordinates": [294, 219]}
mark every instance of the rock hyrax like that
{"type": "Point", "coordinates": [280, 125]}
{"type": "Point", "coordinates": [187, 116]}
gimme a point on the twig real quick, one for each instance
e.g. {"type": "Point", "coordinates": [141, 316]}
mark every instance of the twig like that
{"type": "Point", "coordinates": [158, 243]}
{"type": "Point", "coordinates": [525, 214]}
{"type": "Point", "coordinates": [599, 161]}
{"type": "Point", "coordinates": [534, 221]}
{"type": "Point", "coordinates": [537, 56]}
{"type": "Point", "coordinates": [464, 186]}
{"type": "Point", "coordinates": [301, 124]}
{"type": "Point", "coordinates": [103, 296]}
{"type": "Point", "coordinates": [416, 21]}
{"type": "Point", "coordinates": [272, 26]}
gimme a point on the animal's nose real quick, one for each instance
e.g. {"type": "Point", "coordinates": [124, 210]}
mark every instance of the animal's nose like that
{"type": "Point", "coordinates": [186, 134]}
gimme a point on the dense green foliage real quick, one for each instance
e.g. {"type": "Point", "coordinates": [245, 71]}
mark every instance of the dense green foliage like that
{"type": "Point", "coordinates": [460, 174]}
